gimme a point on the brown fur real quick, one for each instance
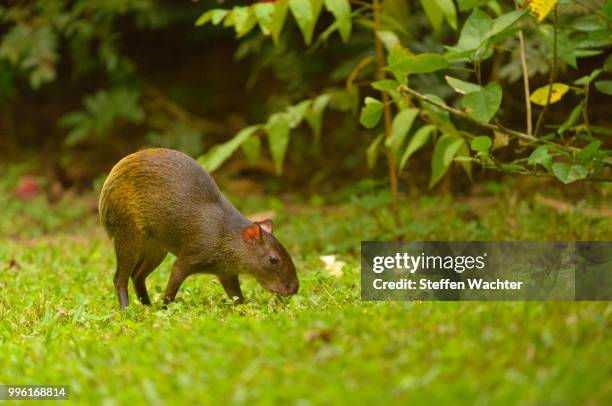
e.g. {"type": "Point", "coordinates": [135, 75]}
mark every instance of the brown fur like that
{"type": "Point", "coordinates": [160, 200]}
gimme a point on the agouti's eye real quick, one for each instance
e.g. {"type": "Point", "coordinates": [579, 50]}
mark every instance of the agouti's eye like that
{"type": "Point", "coordinates": [273, 260]}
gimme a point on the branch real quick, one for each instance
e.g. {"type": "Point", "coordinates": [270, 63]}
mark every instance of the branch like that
{"type": "Point", "coordinates": [360, 66]}
{"type": "Point", "coordinates": [495, 127]}
{"type": "Point", "coordinates": [525, 79]}
{"type": "Point", "coordinates": [380, 61]}
{"type": "Point", "coordinates": [553, 72]}
{"type": "Point", "coordinates": [467, 117]}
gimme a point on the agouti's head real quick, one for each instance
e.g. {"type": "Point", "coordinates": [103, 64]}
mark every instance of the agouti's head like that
{"type": "Point", "coordinates": [267, 259]}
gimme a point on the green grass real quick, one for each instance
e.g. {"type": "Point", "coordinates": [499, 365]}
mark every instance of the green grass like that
{"type": "Point", "coordinates": [59, 322]}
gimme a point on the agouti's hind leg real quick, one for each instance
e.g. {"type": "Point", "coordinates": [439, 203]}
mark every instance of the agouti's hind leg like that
{"type": "Point", "coordinates": [151, 256]}
{"type": "Point", "coordinates": [127, 258]}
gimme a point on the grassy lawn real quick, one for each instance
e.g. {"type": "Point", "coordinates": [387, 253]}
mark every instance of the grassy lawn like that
{"type": "Point", "coordinates": [59, 322]}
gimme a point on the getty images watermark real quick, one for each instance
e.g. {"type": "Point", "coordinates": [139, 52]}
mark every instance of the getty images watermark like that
{"type": "Point", "coordinates": [477, 270]}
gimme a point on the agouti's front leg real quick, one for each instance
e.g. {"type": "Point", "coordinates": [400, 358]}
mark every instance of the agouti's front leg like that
{"type": "Point", "coordinates": [181, 269]}
{"type": "Point", "coordinates": [231, 285]}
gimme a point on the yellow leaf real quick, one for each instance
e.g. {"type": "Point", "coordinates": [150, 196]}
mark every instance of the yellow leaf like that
{"type": "Point", "coordinates": [540, 96]}
{"type": "Point", "coordinates": [542, 7]}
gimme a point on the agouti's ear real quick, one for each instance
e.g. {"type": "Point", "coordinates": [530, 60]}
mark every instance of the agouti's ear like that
{"type": "Point", "coordinates": [251, 233]}
{"type": "Point", "coordinates": [266, 225]}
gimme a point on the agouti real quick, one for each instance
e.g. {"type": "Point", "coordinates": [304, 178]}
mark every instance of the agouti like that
{"type": "Point", "coordinates": [160, 200]}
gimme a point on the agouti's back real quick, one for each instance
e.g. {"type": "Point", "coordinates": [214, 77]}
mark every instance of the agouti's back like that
{"type": "Point", "coordinates": [165, 195]}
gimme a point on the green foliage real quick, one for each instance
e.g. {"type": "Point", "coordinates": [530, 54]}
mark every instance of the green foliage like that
{"type": "Point", "coordinates": [444, 152]}
{"type": "Point", "coordinates": [481, 144]}
{"type": "Point", "coordinates": [278, 127]}
{"type": "Point", "coordinates": [371, 112]}
{"type": "Point", "coordinates": [569, 173]}
{"type": "Point", "coordinates": [341, 9]}
{"type": "Point", "coordinates": [541, 156]}
{"type": "Point", "coordinates": [472, 44]}
{"type": "Point", "coordinates": [483, 104]}
{"type": "Point", "coordinates": [480, 37]}
{"type": "Point", "coordinates": [102, 109]}
{"type": "Point", "coordinates": [440, 10]}
{"type": "Point", "coordinates": [461, 86]}
{"type": "Point", "coordinates": [219, 153]}
{"type": "Point", "coordinates": [418, 140]}
{"type": "Point", "coordinates": [399, 129]}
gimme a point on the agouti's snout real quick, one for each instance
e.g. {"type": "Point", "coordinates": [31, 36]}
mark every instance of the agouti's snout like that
{"type": "Point", "coordinates": [160, 200]}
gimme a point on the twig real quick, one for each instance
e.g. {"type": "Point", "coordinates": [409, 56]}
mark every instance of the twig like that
{"type": "Point", "coordinates": [525, 79]}
{"type": "Point", "coordinates": [585, 110]}
{"type": "Point", "coordinates": [464, 115]}
{"type": "Point", "coordinates": [553, 71]}
{"type": "Point", "coordinates": [495, 127]}
{"type": "Point", "coordinates": [360, 66]}
{"type": "Point", "coordinates": [380, 61]}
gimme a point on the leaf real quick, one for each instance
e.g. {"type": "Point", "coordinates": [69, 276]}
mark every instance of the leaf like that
{"type": "Point", "coordinates": [219, 153]}
{"type": "Point", "coordinates": [397, 61]}
{"type": "Point", "coordinates": [542, 7]}
{"type": "Point", "coordinates": [474, 31]}
{"type": "Point", "coordinates": [296, 112]}
{"type": "Point", "coordinates": [277, 128]}
{"type": "Point", "coordinates": [449, 11]}
{"type": "Point", "coordinates": [540, 96]}
{"type": "Point", "coordinates": [417, 141]}
{"type": "Point", "coordinates": [264, 14]}
{"type": "Point", "coordinates": [569, 173]}
{"type": "Point", "coordinates": [571, 120]}
{"type": "Point", "coordinates": [434, 13]}
{"type": "Point", "coordinates": [604, 86]}
{"type": "Point", "coordinates": [306, 13]}
{"type": "Point", "coordinates": [462, 87]}
{"type": "Point", "coordinates": [589, 151]}
{"type": "Point", "coordinates": [402, 63]}
{"type": "Point", "coordinates": [341, 9]}
{"type": "Point", "coordinates": [504, 22]}
{"type": "Point", "coordinates": [424, 63]}
{"type": "Point", "coordinates": [314, 114]}
{"type": "Point", "coordinates": [608, 63]}
{"type": "Point", "coordinates": [278, 19]}
{"type": "Point", "coordinates": [483, 104]}
{"type": "Point", "coordinates": [372, 151]}
{"type": "Point", "coordinates": [481, 143]}
{"type": "Point", "coordinates": [252, 149]}
{"type": "Point", "coordinates": [387, 85]}
{"type": "Point", "coordinates": [371, 112]}
{"type": "Point", "coordinates": [480, 31]}
{"type": "Point", "coordinates": [541, 156]}
{"type": "Point", "coordinates": [439, 116]}
{"type": "Point", "coordinates": [388, 38]}
{"type": "Point", "coordinates": [585, 80]}
{"type": "Point", "coordinates": [215, 16]}
{"type": "Point", "coordinates": [588, 23]}
{"type": "Point", "coordinates": [444, 151]}
{"type": "Point", "coordinates": [244, 20]}
{"type": "Point", "coordinates": [566, 49]}
{"type": "Point", "coordinates": [402, 123]}
{"type": "Point", "coordinates": [465, 5]}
